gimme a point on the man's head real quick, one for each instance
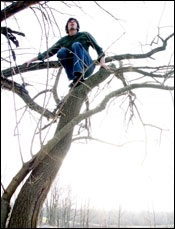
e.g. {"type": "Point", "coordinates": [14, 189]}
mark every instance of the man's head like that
{"type": "Point", "coordinates": [72, 24]}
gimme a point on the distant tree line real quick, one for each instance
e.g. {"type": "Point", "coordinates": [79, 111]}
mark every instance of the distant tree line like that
{"type": "Point", "coordinates": [62, 210]}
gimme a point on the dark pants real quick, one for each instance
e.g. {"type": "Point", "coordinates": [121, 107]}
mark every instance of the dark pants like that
{"type": "Point", "coordinates": [76, 61]}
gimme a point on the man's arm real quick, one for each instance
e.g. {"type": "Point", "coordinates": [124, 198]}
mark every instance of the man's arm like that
{"type": "Point", "coordinates": [99, 50]}
{"type": "Point", "coordinates": [50, 52]}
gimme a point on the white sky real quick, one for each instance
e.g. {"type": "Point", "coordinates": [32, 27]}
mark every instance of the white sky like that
{"type": "Point", "coordinates": [137, 175]}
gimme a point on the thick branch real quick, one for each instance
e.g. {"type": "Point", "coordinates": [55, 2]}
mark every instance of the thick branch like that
{"type": "Point", "coordinates": [26, 168]}
{"type": "Point", "coordinates": [141, 56]}
{"type": "Point", "coordinates": [23, 93]}
{"type": "Point", "coordinates": [16, 7]}
{"type": "Point", "coordinates": [116, 93]}
{"type": "Point", "coordinates": [33, 67]}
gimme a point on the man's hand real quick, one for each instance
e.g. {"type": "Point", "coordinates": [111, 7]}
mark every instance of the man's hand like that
{"type": "Point", "coordinates": [102, 64]}
{"type": "Point", "coordinates": [30, 61]}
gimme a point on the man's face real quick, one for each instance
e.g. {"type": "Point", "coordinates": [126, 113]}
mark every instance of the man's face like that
{"type": "Point", "coordinates": [72, 25]}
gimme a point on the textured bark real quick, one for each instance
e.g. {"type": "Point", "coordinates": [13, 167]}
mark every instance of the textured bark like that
{"type": "Point", "coordinates": [5, 212]}
{"type": "Point", "coordinates": [33, 193]}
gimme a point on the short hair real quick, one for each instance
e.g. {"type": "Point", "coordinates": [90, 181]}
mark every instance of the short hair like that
{"type": "Point", "coordinates": [78, 25]}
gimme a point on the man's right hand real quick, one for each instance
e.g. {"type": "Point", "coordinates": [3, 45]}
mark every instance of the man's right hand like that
{"type": "Point", "coordinates": [30, 61]}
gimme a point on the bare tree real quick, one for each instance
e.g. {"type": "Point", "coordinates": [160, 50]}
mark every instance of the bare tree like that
{"type": "Point", "coordinates": [84, 214]}
{"type": "Point", "coordinates": [52, 206]}
{"type": "Point", "coordinates": [40, 171]}
{"type": "Point", "coordinates": [66, 209]}
{"type": "Point", "coordinates": [119, 216]}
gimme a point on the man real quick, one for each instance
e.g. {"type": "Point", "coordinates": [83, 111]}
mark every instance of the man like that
{"type": "Point", "coordinates": [73, 53]}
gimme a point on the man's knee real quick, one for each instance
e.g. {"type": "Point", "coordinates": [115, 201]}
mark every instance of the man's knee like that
{"type": "Point", "coordinates": [76, 45]}
{"type": "Point", "coordinates": [62, 53]}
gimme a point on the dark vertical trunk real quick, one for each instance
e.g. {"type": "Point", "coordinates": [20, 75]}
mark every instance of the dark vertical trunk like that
{"type": "Point", "coordinates": [34, 192]}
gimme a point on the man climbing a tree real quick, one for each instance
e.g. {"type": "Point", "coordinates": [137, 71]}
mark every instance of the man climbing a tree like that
{"type": "Point", "coordinates": [73, 53]}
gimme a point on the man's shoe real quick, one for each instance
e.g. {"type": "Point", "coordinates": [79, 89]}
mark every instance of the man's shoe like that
{"type": "Point", "coordinates": [76, 82]}
{"type": "Point", "coordinates": [71, 85]}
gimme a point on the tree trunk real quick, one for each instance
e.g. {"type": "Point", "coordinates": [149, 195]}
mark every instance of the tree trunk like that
{"type": "Point", "coordinates": [33, 193]}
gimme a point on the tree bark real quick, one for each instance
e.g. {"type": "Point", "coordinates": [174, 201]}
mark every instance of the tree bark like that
{"type": "Point", "coordinates": [33, 193]}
